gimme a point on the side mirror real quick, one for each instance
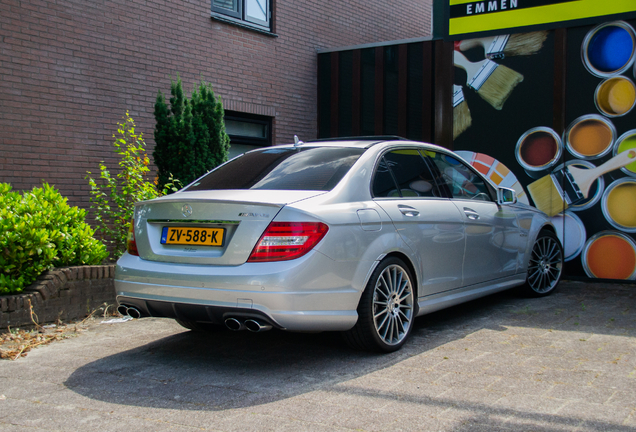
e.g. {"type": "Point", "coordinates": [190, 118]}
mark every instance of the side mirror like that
{"type": "Point", "coordinates": [506, 196]}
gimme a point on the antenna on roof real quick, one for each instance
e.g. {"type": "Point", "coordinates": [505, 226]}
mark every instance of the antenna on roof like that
{"type": "Point", "coordinates": [297, 142]}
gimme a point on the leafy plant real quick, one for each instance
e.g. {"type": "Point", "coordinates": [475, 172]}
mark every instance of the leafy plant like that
{"type": "Point", "coordinates": [38, 231]}
{"type": "Point", "coordinates": [190, 137]}
{"type": "Point", "coordinates": [114, 196]}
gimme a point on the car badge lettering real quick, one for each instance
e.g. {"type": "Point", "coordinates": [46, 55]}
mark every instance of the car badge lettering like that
{"type": "Point", "coordinates": [186, 210]}
{"type": "Point", "coordinates": [263, 215]}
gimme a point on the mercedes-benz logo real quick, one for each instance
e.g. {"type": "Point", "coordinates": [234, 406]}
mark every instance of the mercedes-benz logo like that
{"type": "Point", "coordinates": [186, 210]}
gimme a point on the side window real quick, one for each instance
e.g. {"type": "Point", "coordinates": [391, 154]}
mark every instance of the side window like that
{"type": "Point", "coordinates": [383, 183]}
{"type": "Point", "coordinates": [459, 180]}
{"type": "Point", "coordinates": [409, 170]}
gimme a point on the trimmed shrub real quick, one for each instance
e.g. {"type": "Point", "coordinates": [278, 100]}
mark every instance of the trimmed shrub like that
{"type": "Point", "coordinates": [38, 231]}
{"type": "Point", "coordinates": [190, 137]}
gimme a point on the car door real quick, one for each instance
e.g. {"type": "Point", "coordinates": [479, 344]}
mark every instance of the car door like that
{"type": "Point", "coordinates": [493, 237]}
{"type": "Point", "coordinates": [429, 223]}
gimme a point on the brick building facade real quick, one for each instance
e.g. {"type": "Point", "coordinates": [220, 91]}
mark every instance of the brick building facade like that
{"type": "Point", "coordinates": [69, 70]}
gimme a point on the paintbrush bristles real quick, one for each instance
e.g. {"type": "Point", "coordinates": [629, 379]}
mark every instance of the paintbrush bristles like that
{"type": "Point", "coordinates": [498, 87]}
{"type": "Point", "coordinates": [525, 43]}
{"type": "Point", "coordinates": [546, 196]}
{"type": "Point", "coordinates": [461, 119]}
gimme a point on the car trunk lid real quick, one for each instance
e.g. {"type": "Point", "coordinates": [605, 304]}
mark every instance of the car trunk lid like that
{"type": "Point", "coordinates": [208, 227]}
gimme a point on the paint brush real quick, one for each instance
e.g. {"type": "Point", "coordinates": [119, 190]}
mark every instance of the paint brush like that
{"type": "Point", "coordinates": [507, 45]}
{"type": "Point", "coordinates": [461, 114]}
{"type": "Point", "coordinates": [555, 192]}
{"type": "Point", "coordinates": [493, 82]}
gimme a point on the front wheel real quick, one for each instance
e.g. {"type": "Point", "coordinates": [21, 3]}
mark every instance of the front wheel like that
{"type": "Point", "coordinates": [386, 309]}
{"type": "Point", "coordinates": [546, 265]}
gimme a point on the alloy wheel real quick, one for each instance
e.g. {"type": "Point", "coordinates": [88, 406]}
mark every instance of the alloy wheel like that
{"type": "Point", "coordinates": [546, 265]}
{"type": "Point", "coordinates": [393, 305]}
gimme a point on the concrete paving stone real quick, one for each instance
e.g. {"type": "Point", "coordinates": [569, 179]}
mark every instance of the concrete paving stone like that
{"type": "Point", "coordinates": [546, 361]}
{"type": "Point", "coordinates": [525, 404]}
{"type": "Point", "coordinates": [461, 366]}
{"type": "Point", "coordinates": [503, 347]}
{"type": "Point", "coordinates": [412, 374]}
{"type": "Point", "coordinates": [605, 413]}
{"type": "Point", "coordinates": [422, 361]}
{"type": "Point", "coordinates": [463, 354]}
{"type": "Point", "coordinates": [543, 423]}
{"type": "Point", "coordinates": [409, 390]}
{"type": "Point", "coordinates": [580, 393]}
{"type": "Point", "coordinates": [303, 410]}
{"type": "Point", "coordinates": [521, 386]}
{"type": "Point", "coordinates": [597, 425]}
{"type": "Point", "coordinates": [341, 395]}
{"type": "Point", "coordinates": [624, 382]}
{"type": "Point", "coordinates": [249, 422]}
{"type": "Point", "coordinates": [549, 351]}
{"type": "Point", "coordinates": [513, 371]}
{"type": "Point", "coordinates": [624, 398]}
{"type": "Point", "coordinates": [468, 396]}
{"type": "Point", "coordinates": [554, 376]}
{"type": "Point", "coordinates": [476, 415]}
{"type": "Point", "coordinates": [367, 420]}
{"type": "Point", "coordinates": [479, 381]}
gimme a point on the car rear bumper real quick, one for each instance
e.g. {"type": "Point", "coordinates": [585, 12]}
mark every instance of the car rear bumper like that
{"type": "Point", "coordinates": [290, 295]}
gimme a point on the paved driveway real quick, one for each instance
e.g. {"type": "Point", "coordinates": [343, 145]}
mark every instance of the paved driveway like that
{"type": "Point", "coordinates": [566, 362]}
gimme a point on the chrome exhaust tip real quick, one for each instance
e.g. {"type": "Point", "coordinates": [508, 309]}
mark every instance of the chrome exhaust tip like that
{"type": "Point", "coordinates": [123, 310]}
{"type": "Point", "coordinates": [234, 324]}
{"type": "Point", "coordinates": [133, 312]}
{"type": "Point", "coordinates": [256, 326]}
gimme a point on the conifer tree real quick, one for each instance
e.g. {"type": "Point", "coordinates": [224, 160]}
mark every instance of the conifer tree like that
{"type": "Point", "coordinates": [190, 137]}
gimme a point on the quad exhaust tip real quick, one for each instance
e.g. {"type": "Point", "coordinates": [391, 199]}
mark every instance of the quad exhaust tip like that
{"type": "Point", "coordinates": [253, 325]}
{"type": "Point", "coordinates": [129, 311]}
{"type": "Point", "coordinates": [256, 326]}
{"type": "Point", "coordinates": [234, 324]}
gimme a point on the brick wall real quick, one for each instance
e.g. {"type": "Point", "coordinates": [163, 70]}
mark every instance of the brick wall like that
{"type": "Point", "coordinates": [66, 294]}
{"type": "Point", "coordinates": [69, 69]}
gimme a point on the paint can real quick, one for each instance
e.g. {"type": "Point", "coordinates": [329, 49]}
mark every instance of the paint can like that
{"type": "Point", "coordinates": [615, 97]}
{"type": "Point", "coordinates": [596, 191]}
{"type": "Point", "coordinates": [619, 204]}
{"type": "Point", "coordinates": [590, 137]}
{"type": "Point", "coordinates": [609, 49]}
{"type": "Point", "coordinates": [538, 150]}
{"type": "Point", "coordinates": [610, 255]}
{"type": "Point", "coordinates": [626, 142]}
{"type": "Point", "coordinates": [571, 231]}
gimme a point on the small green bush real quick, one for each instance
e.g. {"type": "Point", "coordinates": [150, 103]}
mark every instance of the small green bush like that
{"type": "Point", "coordinates": [38, 231]}
{"type": "Point", "coordinates": [113, 197]}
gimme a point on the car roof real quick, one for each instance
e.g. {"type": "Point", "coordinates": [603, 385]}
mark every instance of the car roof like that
{"type": "Point", "coordinates": [364, 142]}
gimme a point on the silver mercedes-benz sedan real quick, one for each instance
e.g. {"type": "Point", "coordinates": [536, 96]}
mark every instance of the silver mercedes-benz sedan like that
{"type": "Point", "coordinates": [358, 235]}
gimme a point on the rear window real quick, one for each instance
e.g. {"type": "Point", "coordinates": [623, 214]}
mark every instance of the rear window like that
{"type": "Point", "coordinates": [309, 168]}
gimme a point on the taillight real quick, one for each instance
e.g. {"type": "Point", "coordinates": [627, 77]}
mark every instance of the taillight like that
{"type": "Point", "coordinates": [131, 244]}
{"type": "Point", "coordinates": [284, 241]}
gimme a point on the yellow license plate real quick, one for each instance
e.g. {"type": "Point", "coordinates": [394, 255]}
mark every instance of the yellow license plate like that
{"type": "Point", "coordinates": [192, 236]}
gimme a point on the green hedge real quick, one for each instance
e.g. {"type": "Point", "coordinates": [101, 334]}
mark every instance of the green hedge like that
{"type": "Point", "coordinates": [38, 231]}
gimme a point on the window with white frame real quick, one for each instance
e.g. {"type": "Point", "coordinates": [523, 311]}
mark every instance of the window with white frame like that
{"type": "Point", "coordinates": [254, 13]}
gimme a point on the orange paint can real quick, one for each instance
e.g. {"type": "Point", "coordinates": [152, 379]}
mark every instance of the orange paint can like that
{"type": "Point", "coordinates": [610, 255]}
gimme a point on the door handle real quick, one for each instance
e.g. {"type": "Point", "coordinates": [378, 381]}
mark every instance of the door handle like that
{"type": "Point", "coordinates": [471, 214]}
{"type": "Point", "coordinates": [408, 211]}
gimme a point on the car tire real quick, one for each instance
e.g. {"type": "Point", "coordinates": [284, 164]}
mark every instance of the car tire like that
{"type": "Point", "coordinates": [199, 326]}
{"type": "Point", "coordinates": [386, 309]}
{"type": "Point", "coordinates": [545, 267]}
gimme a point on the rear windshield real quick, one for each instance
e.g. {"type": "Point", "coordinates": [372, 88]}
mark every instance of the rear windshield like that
{"type": "Point", "coordinates": [310, 168]}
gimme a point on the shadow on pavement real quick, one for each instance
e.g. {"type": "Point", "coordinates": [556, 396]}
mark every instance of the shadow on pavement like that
{"type": "Point", "coordinates": [213, 372]}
